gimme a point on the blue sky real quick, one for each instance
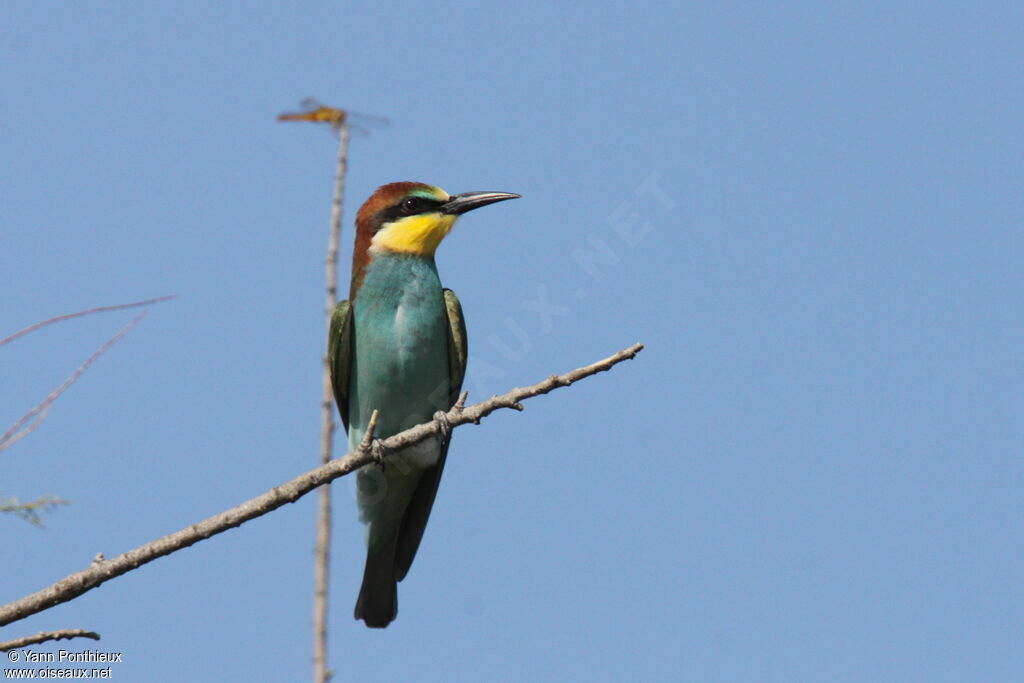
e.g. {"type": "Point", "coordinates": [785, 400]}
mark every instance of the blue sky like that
{"type": "Point", "coordinates": [812, 473]}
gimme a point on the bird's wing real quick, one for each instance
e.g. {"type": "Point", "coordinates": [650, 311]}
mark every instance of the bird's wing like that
{"type": "Point", "coordinates": [458, 345]}
{"type": "Point", "coordinates": [418, 512]}
{"type": "Point", "coordinates": [339, 355]}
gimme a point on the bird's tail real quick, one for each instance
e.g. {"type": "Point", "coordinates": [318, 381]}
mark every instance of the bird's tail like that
{"type": "Point", "coordinates": [377, 604]}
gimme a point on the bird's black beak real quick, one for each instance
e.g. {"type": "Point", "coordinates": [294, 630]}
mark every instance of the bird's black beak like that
{"type": "Point", "coordinates": [467, 201]}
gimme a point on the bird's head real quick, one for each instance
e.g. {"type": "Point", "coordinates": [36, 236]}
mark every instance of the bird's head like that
{"type": "Point", "coordinates": [411, 218]}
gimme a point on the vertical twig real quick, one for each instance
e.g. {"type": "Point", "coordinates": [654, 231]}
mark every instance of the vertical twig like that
{"type": "Point", "coordinates": [322, 562]}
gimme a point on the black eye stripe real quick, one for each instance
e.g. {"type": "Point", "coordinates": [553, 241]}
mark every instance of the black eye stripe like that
{"type": "Point", "coordinates": [400, 210]}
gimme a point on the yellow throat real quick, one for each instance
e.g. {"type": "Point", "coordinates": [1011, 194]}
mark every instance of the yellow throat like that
{"type": "Point", "coordinates": [419, 234]}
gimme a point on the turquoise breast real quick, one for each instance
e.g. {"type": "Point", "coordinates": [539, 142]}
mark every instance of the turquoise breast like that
{"type": "Point", "coordinates": [400, 349]}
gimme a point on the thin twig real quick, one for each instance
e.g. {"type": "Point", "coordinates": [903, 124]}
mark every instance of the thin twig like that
{"type": "Point", "coordinates": [371, 427]}
{"type": "Point", "coordinates": [100, 572]}
{"type": "Point", "coordinates": [69, 316]}
{"type": "Point", "coordinates": [45, 636]}
{"type": "Point", "coordinates": [40, 411]}
{"type": "Point", "coordinates": [322, 561]}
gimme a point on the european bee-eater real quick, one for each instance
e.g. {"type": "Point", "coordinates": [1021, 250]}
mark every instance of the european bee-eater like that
{"type": "Point", "coordinates": [398, 345]}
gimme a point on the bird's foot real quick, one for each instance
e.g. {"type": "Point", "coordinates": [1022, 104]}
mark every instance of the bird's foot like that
{"type": "Point", "coordinates": [444, 427]}
{"type": "Point", "coordinates": [378, 452]}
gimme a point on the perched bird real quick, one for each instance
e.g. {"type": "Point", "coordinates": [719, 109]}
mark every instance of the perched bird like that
{"type": "Point", "coordinates": [398, 345]}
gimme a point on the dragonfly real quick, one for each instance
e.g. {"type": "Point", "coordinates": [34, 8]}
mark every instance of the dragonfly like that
{"type": "Point", "coordinates": [315, 111]}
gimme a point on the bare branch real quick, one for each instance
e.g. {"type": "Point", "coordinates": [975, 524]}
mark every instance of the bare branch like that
{"type": "Point", "coordinates": [45, 636]}
{"type": "Point", "coordinates": [40, 411]}
{"type": "Point", "coordinates": [69, 316]}
{"type": "Point", "coordinates": [100, 572]}
{"type": "Point", "coordinates": [322, 561]}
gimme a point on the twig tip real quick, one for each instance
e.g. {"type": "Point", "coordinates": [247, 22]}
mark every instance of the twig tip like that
{"type": "Point", "coordinates": [367, 440]}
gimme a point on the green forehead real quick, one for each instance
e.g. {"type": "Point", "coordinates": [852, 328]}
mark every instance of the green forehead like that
{"type": "Point", "coordinates": [429, 192]}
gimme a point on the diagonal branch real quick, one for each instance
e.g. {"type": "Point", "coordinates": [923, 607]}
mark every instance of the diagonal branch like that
{"type": "Point", "coordinates": [45, 636]}
{"type": "Point", "coordinates": [102, 570]}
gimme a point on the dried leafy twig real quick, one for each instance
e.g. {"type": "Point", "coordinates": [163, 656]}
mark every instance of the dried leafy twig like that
{"type": "Point", "coordinates": [101, 571]}
{"type": "Point", "coordinates": [45, 636]}
{"type": "Point", "coordinates": [33, 418]}
{"type": "Point", "coordinates": [30, 511]}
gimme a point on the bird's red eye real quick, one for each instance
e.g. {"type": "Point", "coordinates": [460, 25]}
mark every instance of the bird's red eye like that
{"type": "Point", "coordinates": [411, 204]}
